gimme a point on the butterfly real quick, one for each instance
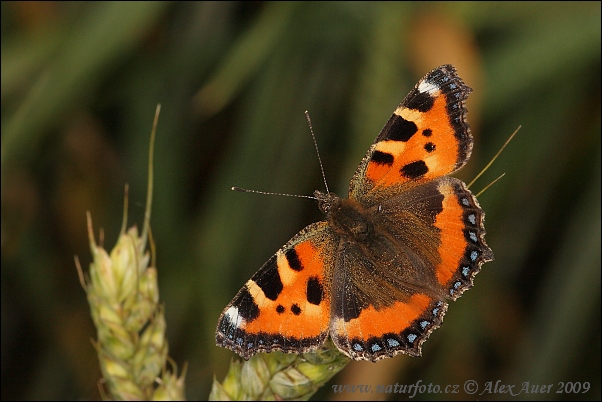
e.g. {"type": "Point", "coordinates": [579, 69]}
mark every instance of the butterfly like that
{"type": "Point", "coordinates": [376, 275]}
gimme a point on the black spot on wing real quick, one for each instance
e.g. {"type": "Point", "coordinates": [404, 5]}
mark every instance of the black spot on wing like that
{"type": "Point", "coordinates": [382, 158]}
{"type": "Point", "coordinates": [293, 260]}
{"type": "Point", "coordinates": [314, 291]}
{"type": "Point", "coordinates": [414, 170]}
{"type": "Point", "coordinates": [247, 308]}
{"type": "Point", "coordinates": [268, 279]}
{"type": "Point", "coordinates": [421, 101]}
{"type": "Point", "coordinates": [296, 309]}
{"type": "Point", "coordinates": [399, 129]}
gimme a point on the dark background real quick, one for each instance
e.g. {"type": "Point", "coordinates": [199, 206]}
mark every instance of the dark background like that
{"type": "Point", "coordinates": [80, 82]}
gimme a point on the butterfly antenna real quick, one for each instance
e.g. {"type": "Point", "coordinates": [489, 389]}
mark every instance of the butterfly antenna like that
{"type": "Point", "coordinates": [317, 150]}
{"type": "Point", "coordinates": [245, 190]}
{"type": "Point", "coordinates": [489, 185]}
{"type": "Point", "coordinates": [493, 160]}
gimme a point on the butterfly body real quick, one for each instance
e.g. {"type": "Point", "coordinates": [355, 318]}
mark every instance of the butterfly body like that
{"type": "Point", "coordinates": [376, 275]}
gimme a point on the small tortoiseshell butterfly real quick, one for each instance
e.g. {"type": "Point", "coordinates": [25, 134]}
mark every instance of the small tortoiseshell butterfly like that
{"type": "Point", "coordinates": [376, 275]}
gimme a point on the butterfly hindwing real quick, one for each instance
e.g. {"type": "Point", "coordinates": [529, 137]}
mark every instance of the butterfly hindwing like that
{"type": "Point", "coordinates": [382, 303]}
{"type": "Point", "coordinates": [462, 248]}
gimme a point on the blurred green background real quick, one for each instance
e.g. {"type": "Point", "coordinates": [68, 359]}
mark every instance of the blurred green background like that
{"type": "Point", "coordinates": [80, 82]}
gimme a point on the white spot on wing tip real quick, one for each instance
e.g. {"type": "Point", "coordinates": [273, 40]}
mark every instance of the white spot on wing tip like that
{"type": "Point", "coordinates": [234, 316]}
{"type": "Point", "coordinates": [427, 87]}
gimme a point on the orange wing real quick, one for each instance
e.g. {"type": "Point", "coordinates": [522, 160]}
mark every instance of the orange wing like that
{"type": "Point", "coordinates": [391, 291]}
{"type": "Point", "coordinates": [286, 305]}
{"type": "Point", "coordinates": [426, 137]}
{"type": "Point", "coordinates": [385, 299]}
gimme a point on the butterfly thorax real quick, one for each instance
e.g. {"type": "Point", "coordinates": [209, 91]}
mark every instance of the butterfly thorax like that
{"type": "Point", "coordinates": [347, 217]}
